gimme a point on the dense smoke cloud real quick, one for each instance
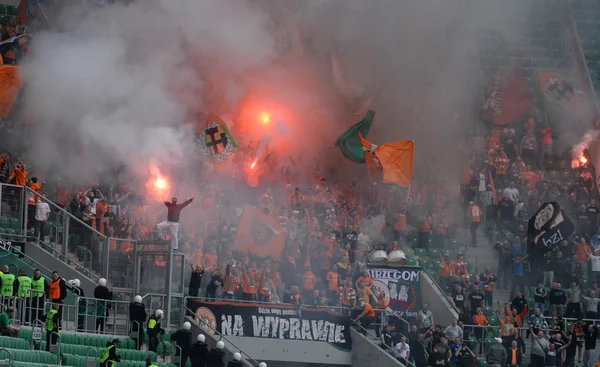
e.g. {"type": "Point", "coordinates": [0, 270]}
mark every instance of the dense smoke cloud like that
{"type": "Point", "coordinates": [123, 79]}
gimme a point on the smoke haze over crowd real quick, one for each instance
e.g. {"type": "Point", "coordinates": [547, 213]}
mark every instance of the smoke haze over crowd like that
{"type": "Point", "coordinates": [122, 80]}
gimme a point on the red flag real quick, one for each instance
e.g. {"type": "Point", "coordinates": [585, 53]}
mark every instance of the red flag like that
{"type": "Point", "coordinates": [508, 98]}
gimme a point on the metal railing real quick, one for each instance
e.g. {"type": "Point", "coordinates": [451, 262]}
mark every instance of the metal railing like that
{"type": "Point", "coordinates": [344, 311]}
{"type": "Point", "coordinates": [212, 331]}
{"type": "Point", "coordinates": [384, 347]}
{"type": "Point", "coordinates": [102, 316]}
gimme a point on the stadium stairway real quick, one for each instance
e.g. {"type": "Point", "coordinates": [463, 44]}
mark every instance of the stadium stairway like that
{"type": "Point", "coordinates": [585, 15]}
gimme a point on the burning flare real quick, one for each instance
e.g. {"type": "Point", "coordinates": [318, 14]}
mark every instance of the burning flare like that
{"type": "Point", "coordinates": [265, 118]}
{"type": "Point", "coordinates": [157, 186]}
{"type": "Point", "coordinates": [253, 165]}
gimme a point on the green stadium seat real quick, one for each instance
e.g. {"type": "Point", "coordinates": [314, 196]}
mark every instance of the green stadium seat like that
{"type": "Point", "coordinates": [493, 320]}
{"type": "Point", "coordinates": [13, 222]}
{"type": "Point", "coordinates": [411, 261]}
{"type": "Point", "coordinates": [13, 10]}
{"type": "Point", "coordinates": [488, 311]}
{"type": "Point", "coordinates": [420, 252]}
{"type": "Point", "coordinates": [4, 222]}
{"type": "Point", "coordinates": [433, 253]}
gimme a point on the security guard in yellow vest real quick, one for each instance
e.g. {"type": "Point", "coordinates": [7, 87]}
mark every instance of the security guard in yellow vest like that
{"type": "Point", "coordinates": [154, 329]}
{"type": "Point", "coordinates": [52, 324]}
{"type": "Point", "coordinates": [23, 284]}
{"type": "Point", "coordinates": [39, 293]}
{"type": "Point", "coordinates": [108, 356]}
{"type": "Point", "coordinates": [7, 283]}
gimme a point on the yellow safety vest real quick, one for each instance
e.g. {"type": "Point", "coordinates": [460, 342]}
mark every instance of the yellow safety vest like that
{"type": "Point", "coordinates": [24, 285]}
{"type": "Point", "coordinates": [8, 281]}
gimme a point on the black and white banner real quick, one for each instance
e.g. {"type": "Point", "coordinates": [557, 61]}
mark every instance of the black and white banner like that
{"type": "Point", "coordinates": [274, 322]}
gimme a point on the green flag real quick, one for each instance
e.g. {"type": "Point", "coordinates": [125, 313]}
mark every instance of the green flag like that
{"type": "Point", "coordinates": [349, 142]}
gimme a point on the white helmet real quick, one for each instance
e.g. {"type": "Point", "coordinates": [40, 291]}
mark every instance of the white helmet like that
{"type": "Point", "coordinates": [76, 283]}
{"type": "Point", "coordinates": [220, 345]}
{"type": "Point", "coordinates": [262, 364]}
{"type": "Point", "coordinates": [137, 299]}
{"type": "Point", "coordinates": [102, 282]}
{"type": "Point", "coordinates": [201, 338]}
{"type": "Point", "coordinates": [158, 313]}
{"type": "Point", "coordinates": [187, 326]}
{"type": "Point", "coordinates": [237, 356]}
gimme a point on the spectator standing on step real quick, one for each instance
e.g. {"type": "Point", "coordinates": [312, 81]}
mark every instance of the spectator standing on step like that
{"type": "Point", "coordinates": [514, 356]}
{"type": "Point", "coordinates": [539, 346]}
{"type": "Point", "coordinates": [402, 350]}
{"type": "Point", "coordinates": [172, 222]}
{"type": "Point", "coordinates": [591, 306]}
{"type": "Point", "coordinates": [496, 355]}
{"type": "Point", "coordinates": [195, 280]}
{"type": "Point", "coordinates": [557, 298]}
{"type": "Point", "coordinates": [589, 355]}
{"type": "Point", "coordinates": [51, 325]}
{"type": "Point", "coordinates": [573, 301]}
{"type": "Point", "coordinates": [474, 213]}
{"type": "Point", "coordinates": [42, 213]}
{"type": "Point", "coordinates": [488, 288]}
{"type": "Point", "coordinates": [540, 294]}
{"type": "Point", "coordinates": [137, 318]}
{"type": "Point", "coordinates": [367, 315]}
{"type": "Point", "coordinates": [57, 292]}
{"type": "Point", "coordinates": [102, 294]}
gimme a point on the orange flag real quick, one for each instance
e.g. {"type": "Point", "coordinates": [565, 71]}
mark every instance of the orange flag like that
{"type": "Point", "coordinates": [10, 86]}
{"type": "Point", "coordinates": [259, 234]}
{"type": "Point", "coordinates": [369, 152]}
{"type": "Point", "coordinates": [396, 159]}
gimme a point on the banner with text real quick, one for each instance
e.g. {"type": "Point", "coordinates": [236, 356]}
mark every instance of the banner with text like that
{"type": "Point", "coordinates": [401, 289]}
{"type": "Point", "coordinates": [274, 322]}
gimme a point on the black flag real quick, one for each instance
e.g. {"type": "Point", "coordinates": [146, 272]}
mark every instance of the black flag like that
{"type": "Point", "coordinates": [547, 228]}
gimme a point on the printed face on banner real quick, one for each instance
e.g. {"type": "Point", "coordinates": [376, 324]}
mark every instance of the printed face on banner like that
{"type": "Point", "coordinates": [401, 288]}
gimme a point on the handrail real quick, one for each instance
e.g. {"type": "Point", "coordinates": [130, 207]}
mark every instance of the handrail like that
{"type": "Point", "coordinates": [58, 208]}
{"type": "Point", "coordinates": [9, 355]}
{"type": "Point", "coordinates": [387, 348]}
{"type": "Point", "coordinates": [204, 325]}
{"type": "Point", "coordinates": [330, 308]}
{"type": "Point", "coordinates": [46, 271]}
{"type": "Point", "coordinates": [397, 315]}
{"type": "Point", "coordinates": [62, 257]}
{"type": "Point", "coordinates": [441, 290]}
